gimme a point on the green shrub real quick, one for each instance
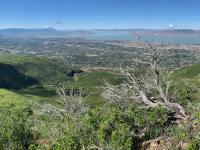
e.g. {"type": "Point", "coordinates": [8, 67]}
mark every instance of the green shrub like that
{"type": "Point", "coordinates": [111, 128]}
{"type": "Point", "coordinates": [195, 144]}
{"type": "Point", "coordinates": [15, 130]}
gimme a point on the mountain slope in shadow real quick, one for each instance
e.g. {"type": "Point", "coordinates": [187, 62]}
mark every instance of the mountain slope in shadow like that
{"type": "Point", "coordinates": [12, 78]}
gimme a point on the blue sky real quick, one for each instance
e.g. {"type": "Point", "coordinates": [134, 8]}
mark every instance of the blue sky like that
{"type": "Point", "coordinates": [92, 14]}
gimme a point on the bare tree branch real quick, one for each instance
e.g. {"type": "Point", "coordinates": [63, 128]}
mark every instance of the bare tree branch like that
{"type": "Point", "coordinates": [136, 90]}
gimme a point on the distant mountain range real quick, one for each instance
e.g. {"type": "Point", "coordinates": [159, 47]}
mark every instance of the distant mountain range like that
{"type": "Point", "coordinates": [21, 32]}
{"type": "Point", "coordinates": [43, 32]}
{"type": "Point", "coordinates": [51, 32]}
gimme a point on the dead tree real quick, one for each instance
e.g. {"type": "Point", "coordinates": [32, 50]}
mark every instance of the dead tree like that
{"type": "Point", "coordinates": [72, 102]}
{"type": "Point", "coordinates": [137, 90]}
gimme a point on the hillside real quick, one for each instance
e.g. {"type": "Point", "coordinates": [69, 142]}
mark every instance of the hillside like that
{"type": "Point", "coordinates": [31, 109]}
{"type": "Point", "coordinates": [12, 78]}
{"type": "Point", "coordinates": [40, 68]}
{"type": "Point", "coordinates": [40, 76]}
{"type": "Point", "coordinates": [188, 72]}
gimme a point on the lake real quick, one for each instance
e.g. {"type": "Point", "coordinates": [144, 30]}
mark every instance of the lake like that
{"type": "Point", "coordinates": [115, 35]}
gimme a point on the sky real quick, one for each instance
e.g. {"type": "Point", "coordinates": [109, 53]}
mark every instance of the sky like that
{"type": "Point", "coordinates": [100, 14]}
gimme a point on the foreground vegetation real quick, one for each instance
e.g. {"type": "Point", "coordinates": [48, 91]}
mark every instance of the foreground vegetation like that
{"type": "Point", "coordinates": [34, 117]}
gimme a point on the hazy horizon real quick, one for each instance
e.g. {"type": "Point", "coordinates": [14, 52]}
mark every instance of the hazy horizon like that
{"type": "Point", "coordinates": [68, 29]}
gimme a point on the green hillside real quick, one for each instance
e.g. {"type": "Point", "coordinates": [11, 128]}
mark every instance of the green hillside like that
{"type": "Point", "coordinates": [42, 69]}
{"type": "Point", "coordinates": [12, 78]}
{"type": "Point", "coordinates": [31, 109]}
{"type": "Point", "coordinates": [92, 83]}
{"type": "Point", "coordinates": [31, 75]}
{"type": "Point", "coordinates": [188, 72]}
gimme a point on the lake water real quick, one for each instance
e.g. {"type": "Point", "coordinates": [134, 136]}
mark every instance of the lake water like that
{"type": "Point", "coordinates": [114, 35]}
